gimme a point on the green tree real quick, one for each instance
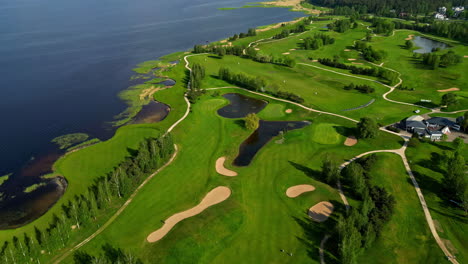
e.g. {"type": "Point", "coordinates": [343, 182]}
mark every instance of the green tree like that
{"type": "Point", "coordinates": [367, 128]}
{"type": "Point", "coordinates": [458, 144]}
{"type": "Point", "coordinates": [455, 177]}
{"type": "Point", "coordinates": [252, 121]}
{"type": "Point", "coordinates": [449, 99]}
{"type": "Point", "coordinates": [330, 170]}
{"type": "Point", "coordinates": [465, 119]}
{"type": "Point", "coordinates": [354, 175]}
{"type": "Point", "coordinates": [409, 44]}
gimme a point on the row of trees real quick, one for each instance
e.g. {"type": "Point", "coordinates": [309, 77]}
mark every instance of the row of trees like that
{"type": "Point", "coordinates": [83, 210]}
{"type": "Point", "coordinates": [196, 76]}
{"type": "Point", "coordinates": [255, 84]}
{"type": "Point", "coordinates": [250, 33]}
{"type": "Point", "coordinates": [219, 50]}
{"type": "Point", "coordinates": [109, 255]}
{"type": "Point", "coordinates": [390, 76]}
{"type": "Point", "coordinates": [341, 25]}
{"type": "Point", "coordinates": [263, 58]}
{"type": "Point", "coordinates": [363, 88]}
{"type": "Point", "coordinates": [363, 224]}
{"type": "Point", "coordinates": [369, 53]}
{"type": "Point", "coordinates": [300, 27]}
{"type": "Point", "coordinates": [317, 41]}
{"type": "Point", "coordinates": [445, 60]}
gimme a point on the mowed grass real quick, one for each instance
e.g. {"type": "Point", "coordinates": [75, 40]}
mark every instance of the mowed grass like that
{"type": "Point", "coordinates": [425, 81]}
{"type": "Point", "coordinates": [258, 219]}
{"type": "Point", "coordinates": [406, 238]}
{"type": "Point", "coordinates": [321, 90]}
{"type": "Point", "coordinates": [326, 133]}
{"type": "Point", "coordinates": [450, 220]}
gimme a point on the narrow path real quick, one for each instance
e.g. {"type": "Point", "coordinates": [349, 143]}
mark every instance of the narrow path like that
{"type": "Point", "coordinates": [322, 245]}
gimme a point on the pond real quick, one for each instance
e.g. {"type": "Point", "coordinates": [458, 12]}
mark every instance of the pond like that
{"type": "Point", "coordinates": [152, 113]}
{"type": "Point", "coordinates": [265, 132]}
{"type": "Point", "coordinates": [427, 45]}
{"type": "Point", "coordinates": [240, 106]}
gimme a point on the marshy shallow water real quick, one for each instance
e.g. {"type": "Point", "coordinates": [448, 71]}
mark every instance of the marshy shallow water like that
{"type": "Point", "coordinates": [152, 113]}
{"type": "Point", "coordinates": [240, 106]}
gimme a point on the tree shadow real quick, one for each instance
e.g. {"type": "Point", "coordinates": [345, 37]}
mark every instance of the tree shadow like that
{"type": "Point", "coordinates": [428, 184]}
{"type": "Point", "coordinates": [345, 131]}
{"type": "Point", "coordinates": [132, 152]}
{"type": "Point", "coordinates": [214, 57]}
{"type": "Point", "coordinates": [307, 171]}
{"type": "Point", "coordinates": [240, 123]}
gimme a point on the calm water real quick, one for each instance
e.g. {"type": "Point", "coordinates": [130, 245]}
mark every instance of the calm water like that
{"type": "Point", "coordinates": [240, 106]}
{"type": "Point", "coordinates": [265, 132]}
{"type": "Point", "coordinates": [64, 62]}
{"type": "Point", "coordinates": [427, 45]}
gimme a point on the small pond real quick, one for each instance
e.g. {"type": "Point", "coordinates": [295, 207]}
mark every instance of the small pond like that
{"type": "Point", "coordinates": [168, 82]}
{"type": "Point", "coordinates": [152, 113]}
{"type": "Point", "coordinates": [427, 45]}
{"type": "Point", "coordinates": [240, 106]}
{"type": "Point", "coordinates": [266, 131]}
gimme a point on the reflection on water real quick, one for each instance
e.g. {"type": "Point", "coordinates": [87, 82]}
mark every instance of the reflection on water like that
{"type": "Point", "coordinates": [265, 132]}
{"type": "Point", "coordinates": [240, 106]}
{"type": "Point", "coordinates": [427, 45]}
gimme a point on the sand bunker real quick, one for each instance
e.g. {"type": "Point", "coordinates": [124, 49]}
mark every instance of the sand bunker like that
{"type": "Point", "coordinates": [321, 211]}
{"type": "Point", "coordinates": [292, 49]}
{"type": "Point", "coordinates": [295, 191]}
{"type": "Point", "coordinates": [449, 90]}
{"type": "Point", "coordinates": [466, 56]}
{"type": "Point", "coordinates": [410, 37]}
{"type": "Point", "coordinates": [222, 170]}
{"type": "Point", "coordinates": [358, 63]}
{"type": "Point", "coordinates": [256, 49]}
{"type": "Point", "coordinates": [350, 141]}
{"type": "Point", "coordinates": [286, 53]}
{"type": "Point", "coordinates": [347, 50]}
{"type": "Point", "coordinates": [288, 111]}
{"type": "Point", "coordinates": [314, 60]}
{"type": "Point", "coordinates": [351, 59]}
{"type": "Point", "coordinates": [215, 196]}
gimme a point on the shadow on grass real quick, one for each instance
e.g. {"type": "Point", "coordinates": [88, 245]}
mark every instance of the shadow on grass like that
{"type": "Point", "coordinates": [345, 131]}
{"type": "Point", "coordinates": [307, 171]}
{"type": "Point", "coordinates": [314, 232]}
{"type": "Point", "coordinates": [427, 183]}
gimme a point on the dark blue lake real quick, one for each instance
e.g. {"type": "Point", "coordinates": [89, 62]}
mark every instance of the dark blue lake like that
{"type": "Point", "coordinates": [62, 63]}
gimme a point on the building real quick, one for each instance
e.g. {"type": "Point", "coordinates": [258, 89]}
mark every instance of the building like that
{"type": "Point", "coordinates": [433, 128]}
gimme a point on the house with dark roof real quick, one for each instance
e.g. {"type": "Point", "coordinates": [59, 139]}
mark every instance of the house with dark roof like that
{"type": "Point", "coordinates": [433, 128]}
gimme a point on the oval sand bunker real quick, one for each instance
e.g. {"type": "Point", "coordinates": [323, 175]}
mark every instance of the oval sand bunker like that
{"type": "Point", "coordinates": [350, 141]}
{"type": "Point", "coordinates": [321, 211]}
{"type": "Point", "coordinates": [222, 170]}
{"type": "Point", "coordinates": [215, 196]}
{"type": "Point", "coordinates": [295, 191]}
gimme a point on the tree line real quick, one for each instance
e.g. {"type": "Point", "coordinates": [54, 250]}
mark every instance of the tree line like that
{"type": "Point", "coordinates": [389, 76]}
{"type": "Point", "coordinates": [250, 33]}
{"type": "Point", "coordinates": [195, 80]}
{"type": "Point", "coordinates": [255, 83]}
{"type": "Point", "coordinates": [362, 226]}
{"type": "Point", "coordinates": [435, 61]}
{"type": "Point", "coordinates": [317, 41]}
{"type": "Point", "coordinates": [300, 27]}
{"type": "Point", "coordinates": [109, 255]}
{"type": "Point", "coordinates": [363, 88]}
{"type": "Point", "coordinates": [84, 209]}
{"type": "Point", "coordinates": [368, 52]}
{"type": "Point", "coordinates": [341, 25]}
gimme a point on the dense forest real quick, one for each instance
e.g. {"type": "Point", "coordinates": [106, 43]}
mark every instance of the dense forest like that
{"type": "Point", "coordinates": [383, 7]}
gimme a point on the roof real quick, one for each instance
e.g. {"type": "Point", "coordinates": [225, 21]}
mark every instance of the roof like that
{"type": "Point", "coordinates": [442, 121]}
{"type": "Point", "coordinates": [415, 124]}
{"type": "Point", "coordinates": [434, 132]}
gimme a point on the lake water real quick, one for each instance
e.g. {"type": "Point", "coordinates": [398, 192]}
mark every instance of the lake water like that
{"type": "Point", "coordinates": [64, 62]}
{"type": "Point", "coordinates": [427, 45]}
{"type": "Point", "coordinates": [240, 106]}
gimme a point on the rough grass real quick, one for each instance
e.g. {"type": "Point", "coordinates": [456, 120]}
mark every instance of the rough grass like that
{"type": "Point", "coordinates": [451, 220]}
{"type": "Point", "coordinates": [406, 238]}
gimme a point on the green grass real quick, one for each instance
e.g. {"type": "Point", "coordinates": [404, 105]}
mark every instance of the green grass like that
{"type": "Point", "coordinates": [326, 133]}
{"type": "Point", "coordinates": [258, 203]}
{"type": "Point", "coordinates": [34, 187]}
{"type": "Point", "coordinates": [273, 111]}
{"type": "Point", "coordinates": [451, 221]}
{"type": "Point", "coordinates": [406, 238]}
{"type": "Point", "coordinates": [4, 178]}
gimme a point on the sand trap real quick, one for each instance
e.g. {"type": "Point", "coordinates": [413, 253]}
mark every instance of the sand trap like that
{"type": "Point", "coordinates": [358, 63]}
{"type": "Point", "coordinates": [410, 37]}
{"type": "Point", "coordinates": [449, 90]}
{"type": "Point", "coordinates": [347, 50]}
{"type": "Point", "coordinates": [321, 211]}
{"type": "Point", "coordinates": [314, 60]}
{"type": "Point", "coordinates": [351, 59]}
{"type": "Point", "coordinates": [295, 191]}
{"type": "Point", "coordinates": [286, 53]}
{"type": "Point", "coordinates": [215, 196]}
{"type": "Point", "coordinates": [288, 111]}
{"type": "Point", "coordinates": [466, 56]}
{"type": "Point", "coordinates": [256, 49]}
{"type": "Point", "coordinates": [222, 170]}
{"type": "Point", "coordinates": [350, 141]}
{"type": "Point", "coordinates": [292, 49]}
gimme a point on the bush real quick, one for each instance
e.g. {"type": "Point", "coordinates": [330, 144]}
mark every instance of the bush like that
{"type": "Point", "coordinates": [252, 121]}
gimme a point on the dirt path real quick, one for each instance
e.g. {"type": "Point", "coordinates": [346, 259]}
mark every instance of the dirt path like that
{"type": "Point", "coordinates": [222, 170]}
{"type": "Point", "coordinates": [295, 191]}
{"type": "Point", "coordinates": [215, 196]}
{"type": "Point", "coordinates": [322, 245]}
{"type": "Point", "coordinates": [449, 90]}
